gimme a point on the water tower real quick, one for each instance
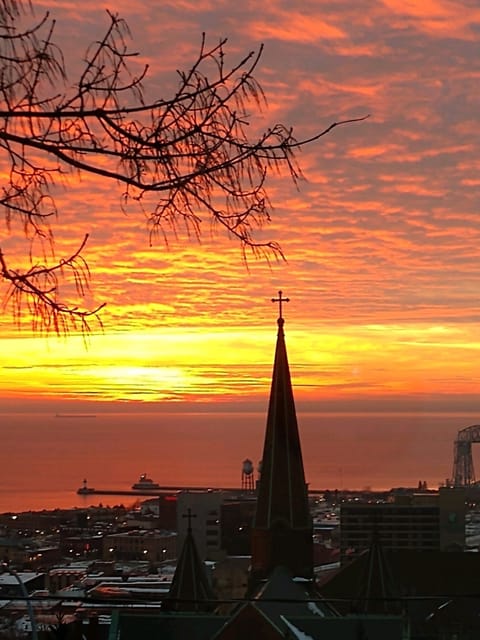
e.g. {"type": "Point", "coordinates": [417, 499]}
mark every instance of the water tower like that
{"type": "Point", "coordinates": [248, 482]}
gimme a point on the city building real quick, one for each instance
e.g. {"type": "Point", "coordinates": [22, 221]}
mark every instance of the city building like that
{"type": "Point", "coordinates": [153, 546]}
{"type": "Point", "coordinates": [236, 518]}
{"type": "Point", "coordinates": [164, 509]}
{"type": "Point", "coordinates": [433, 521]}
{"type": "Point", "coordinates": [16, 584]}
{"type": "Point", "coordinates": [17, 551]}
{"type": "Point", "coordinates": [205, 507]}
{"type": "Point", "coordinates": [61, 578]}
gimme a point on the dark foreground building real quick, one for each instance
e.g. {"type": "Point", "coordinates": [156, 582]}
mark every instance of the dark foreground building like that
{"type": "Point", "coordinates": [437, 591]}
{"type": "Point", "coordinates": [281, 600]}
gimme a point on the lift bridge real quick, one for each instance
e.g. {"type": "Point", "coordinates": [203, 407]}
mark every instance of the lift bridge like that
{"type": "Point", "coordinates": [463, 470]}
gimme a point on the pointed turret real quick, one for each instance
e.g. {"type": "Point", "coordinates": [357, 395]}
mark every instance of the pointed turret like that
{"type": "Point", "coordinates": [190, 590]}
{"type": "Point", "coordinates": [377, 593]}
{"type": "Point", "coordinates": [282, 531]}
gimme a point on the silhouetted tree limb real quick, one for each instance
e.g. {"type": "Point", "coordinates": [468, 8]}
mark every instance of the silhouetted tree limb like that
{"type": "Point", "coordinates": [180, 160]}
{"type": "Point", "coordinates": [37, 288]}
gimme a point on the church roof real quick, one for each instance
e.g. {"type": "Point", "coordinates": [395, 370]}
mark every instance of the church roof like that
{"type": "Point", "coordinates": [279, 599]}
{"type": "Point", "coordinates": [377, 592]}
{"type": "Point", "coordinates": [127, 625]}
{"type": "Point", "coordinates": [282, 496]}
{"type": "Point", "coordinates": [190, 590]}
{"type": "Point", "coordinates": [284, 594]}
{"type": "Point", "coordinates": [249, 620]}
{"type": "Point", "coordinates": [285, 607]}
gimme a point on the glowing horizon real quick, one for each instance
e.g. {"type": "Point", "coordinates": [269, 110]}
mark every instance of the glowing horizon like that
{"type": "Point", "coordinates": [211, 366]}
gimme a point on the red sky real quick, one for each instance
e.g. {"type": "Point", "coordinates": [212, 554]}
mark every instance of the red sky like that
{"type": "Point", "coordinates": [382, 239]}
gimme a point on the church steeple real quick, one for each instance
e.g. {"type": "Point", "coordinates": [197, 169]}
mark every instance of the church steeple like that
{"type": "Point", "coordinates": [190, 589]}
{"type": "Point", "coordinates": [282, 531]}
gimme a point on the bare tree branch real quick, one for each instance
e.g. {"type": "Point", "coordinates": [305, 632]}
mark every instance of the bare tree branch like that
{"type": "Point", "coordinates": [182, 160]}
{"type": "Point", "coordinates": [39, 288]}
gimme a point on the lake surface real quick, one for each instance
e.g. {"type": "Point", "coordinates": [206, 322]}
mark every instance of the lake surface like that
{"type": "Point", "coordinates": [45, 458]}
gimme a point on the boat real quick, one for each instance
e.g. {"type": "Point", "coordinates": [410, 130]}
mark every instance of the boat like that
{"type": "Point", "coordinates": [145, 484]}
{"type": "Point", "coordinates": [75, 415]}
{"type": "Point", "coordinates": [85, 490]}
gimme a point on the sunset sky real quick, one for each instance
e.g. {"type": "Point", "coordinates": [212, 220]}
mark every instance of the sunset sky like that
{"type": "Point", "coordinates": [381, 239]}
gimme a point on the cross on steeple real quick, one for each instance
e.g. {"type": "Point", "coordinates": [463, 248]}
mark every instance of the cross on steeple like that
{"type": "Point", "coordinates": [280, 299]}
{"type": "Point", "coordinates": [189, 515]}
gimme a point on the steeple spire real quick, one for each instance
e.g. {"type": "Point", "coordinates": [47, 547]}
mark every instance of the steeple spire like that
{"type": "Point", "coordinates": [190, 589]}
{"type": "Point", "coordinates": [282, 531]}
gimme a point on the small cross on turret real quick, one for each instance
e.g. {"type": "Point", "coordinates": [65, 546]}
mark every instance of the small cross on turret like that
{"type": "Point", "coordinates": [280, 299]}
{"type": "Point", "coordinates": [189, 515]}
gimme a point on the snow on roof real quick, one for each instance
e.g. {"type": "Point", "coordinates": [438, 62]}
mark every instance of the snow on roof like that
{"type": "Point", "coordinates": [297, 633]}
{"type": "Point", "coordinates": [300, 579]}
{"type": "Point", "coordinates": [67, 571]}
{"type": "Point", "coordinates": [314, 609]}
{"type": "Point", "coordinates": [118, 605]}
{"type": "Point", "coordinates": [24, 576]}
{"type": "Point", "coordinates": [327, 567]}
{"type": "Point", "coordinates": [71, 592]}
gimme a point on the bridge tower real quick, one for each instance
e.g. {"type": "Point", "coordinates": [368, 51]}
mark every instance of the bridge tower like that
{"type": "Point", "coordinates": [463, 471]}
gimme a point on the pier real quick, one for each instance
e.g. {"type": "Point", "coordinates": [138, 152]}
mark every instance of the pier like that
{"type": "Point", "coordinates": [177, 489]}
{"type": "Point", "coordinates": [153, 492]}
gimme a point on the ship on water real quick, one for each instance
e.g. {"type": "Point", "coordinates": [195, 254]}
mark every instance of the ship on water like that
{"type": "Point", "coordinates": [145, 484]}
{"type": "Point", "coordinates": [75, 415]}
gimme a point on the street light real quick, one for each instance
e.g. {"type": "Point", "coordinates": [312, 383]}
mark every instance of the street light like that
{"type": "Point", "coordinates": [12, 572]}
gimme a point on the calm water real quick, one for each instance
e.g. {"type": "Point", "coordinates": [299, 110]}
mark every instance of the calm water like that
{"type": "Point", "coordinates": [44, 459]}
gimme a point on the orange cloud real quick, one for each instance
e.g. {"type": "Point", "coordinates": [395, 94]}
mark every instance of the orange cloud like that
{"type": "Point", "coordinates": [437, 18]}
{"type": "Point", "coordinates": [381, 238]}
